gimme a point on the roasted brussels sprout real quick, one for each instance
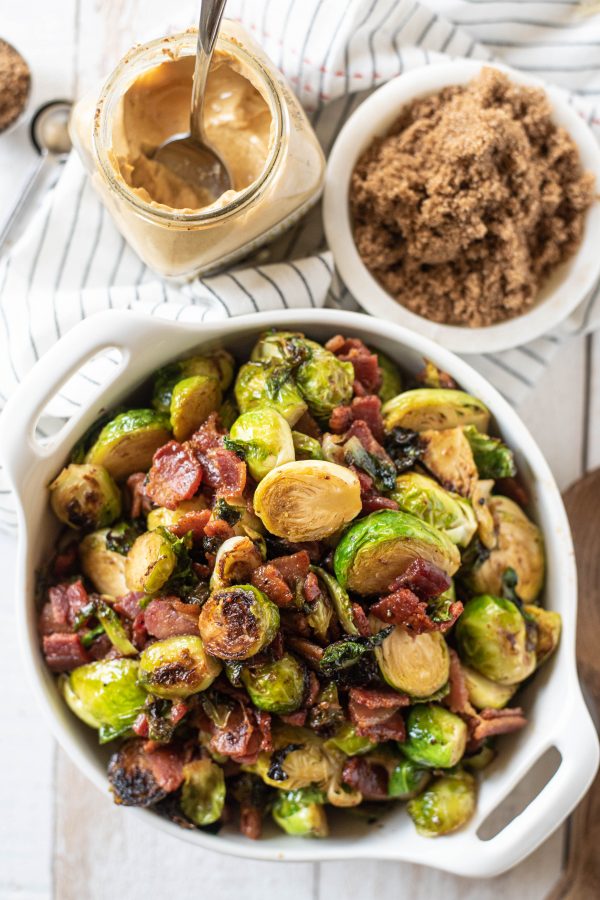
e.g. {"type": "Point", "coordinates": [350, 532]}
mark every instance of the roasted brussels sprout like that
{"type": "Point", "coordinates": [430, 408]}
{"type": "Point", "coordinates": [407, 779]}
{"type": "Point", "coordinates": [339, 598]}
{"type": "Point", "coordinates": [484, 693]}
{"type": "Point", "coordinates": [492, 457]}
{"type": "Point", "coordinates": [280, 346]}
{"type": "Point", "coordinates": [416, 664]}
{"type": "Point", "coordinates": [238, 622]}
{"type": "Point", "coordinates": [435, 737]}
{"type": "Point", "coordinates": [105, 695]}
{"type": "Point", "coordinates": [85, 496]}
{"type": "Point", "coordinates": [150, 562]}
{"type": "Point", "coordinates": [266, 384]}
{"type": "Point", "coordinates": [349, 742]}
{"type": "Point", "coordinates": [299, 760]}
{"type": "Point", "coordinates": [448, 456]}
{"type": "Point", "coordinates": [236, 560]}
{"type": "Point", "coordinates": [379, 547]}
{"type": "Point", "coordinates": [301, 812]}
{"type": "Point", "coordinates": [445, 805]}
{"type": "Point", "coordinates": [105, 568]}
{"type": "Point", "coordinates": [423, 497]}
{"type": "Point", "coordinates": [307, 500]}
{"type": "Point", "coordinates": [219, 365]}
{"type": "Point", "coordinates": [493, 639]}
{"type": "Point", "coordinates": [278, 686]}
{"type": "Point", "coordinates": [228, 412]}
{"type": "Point", "coordinates": [324, 381]}
{"type": "Point", "coordinates": [391, 379]}
{"type": "Point", "coordinates": [320, 613]}
{"type": "Point", "coordinates": [306, 447]}
{"type": "Point", "coordinates": [265, 439]}
{"type": "Point", "coordinates": [192, 401]}
{"type": "Point", "coordinates": [548, 627]}
{"type": "Point", "coordinates": [519, 546]}
{"type": "Point", "coordinates": [129, 441]}
{"type": "Point", "coordinates": [480, 500]}
{"type": "Point", "coordinates": [177, 667]}
{"type": "Point", "coordinates": [113, 626]}
{"type": "Point", "coordinates": [203, 791]}
{"type": "Point", "coordinates": [161, 516]}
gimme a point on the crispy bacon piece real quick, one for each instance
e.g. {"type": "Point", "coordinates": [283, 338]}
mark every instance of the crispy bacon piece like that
{"type": "Point", "coordinates": [101, 648]}
{"type": "Point", "coordinates": [139, 501]}
{"type": "Point", "coordinates": [367, 777]}
{"type": "Point", "coordinates": [365, 363]}
{"type": "Point", "coordinates": [64, 652]}
{"type": "Point", "coordinates": [306, 649]}
{"type": "Point", "coordinates": [224, 472]}
{"type": "Point", "coordinates": [174, 476]}
{"type": "Point", "coordinates": [195, 521]}
{"type": "Point", "coordinates": [312, 691]}
{"type": "Point", "coordinates": [64, 563]}
{"type": "Point", "coordinates": [270, 581]}
{"type": "Point", "coordinates": [141, 778]}
{"type": "Point", "coordinates": [390, 729]}
{"type": "Point", "coordinates": [245, 732]}
{"type": "Point", "coordinates": [424, 579]}
{"type": "Point", "coordinates": [375, 713]}
{"type": "Point", "coordinates": [218, 528]}
{"type": "Point", "coordinates": [360, 620]}
{"type": "Point", "coordinates": [311, 588]}
{"type": "Point", "coordinates": [129, 604]}
{"type": "Point", "coordinates": [371, 500]}
{"type": "Point", "coordinates": [294, 567]}
{"type": "Point", "coordinates": [403, 607]}
{"type": "Point", "coordinates": [251, 822]}
{"type": "Point", "coordinates": [168, 616]}
{"type": "Point", "coordinates": [296, 718]}
{"type": "Point", "coordinates": [368, 410]}
{"type": "Point", "coordinates": [340, 419]}
{"type": "Point", "coordinates": [491, 722]}
{"type": "Point", "coordinates": [307, 425]}
{"type": "Point", "coordinates": [457, 699]}
{"type": "Point", "coordinates": [514, 489]}
{"type": "Point", "coordinates": [59, 612]}
{"type": "Point", "coordinates": [379, 698]}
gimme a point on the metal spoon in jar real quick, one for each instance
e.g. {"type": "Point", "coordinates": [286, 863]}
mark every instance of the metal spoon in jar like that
{"type": "Point", "coordinates": [50, 135]}
{"type": "Point", "coordinates": [190, 156]}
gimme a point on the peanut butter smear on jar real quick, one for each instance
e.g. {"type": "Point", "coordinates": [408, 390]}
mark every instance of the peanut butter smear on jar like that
{"type": "Point", "coordinates": [157, 106]}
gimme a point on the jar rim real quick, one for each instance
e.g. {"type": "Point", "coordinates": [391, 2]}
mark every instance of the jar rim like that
{"type": "Point", "coordinates": [108, 95]}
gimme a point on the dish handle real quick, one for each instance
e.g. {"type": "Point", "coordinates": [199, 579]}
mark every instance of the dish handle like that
{"type": "Point", "coordinates": [20, 449]}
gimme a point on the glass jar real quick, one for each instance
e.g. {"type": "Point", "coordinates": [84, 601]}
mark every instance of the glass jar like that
{"type": "Point", "coordinates": [182, 243]}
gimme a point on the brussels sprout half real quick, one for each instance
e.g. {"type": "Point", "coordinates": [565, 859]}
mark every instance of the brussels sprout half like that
{"type": "Point", "coordinates": [407, 779]}
{"type": "Point", "coordinates": [450, 513]}
{"type": "Point", "coordinates": [324, 381]}
{"type": "Point", "coordinates": [435, 737]}
{"type": "Point", "coordinates": [192, 401]}
{"type": "Point", "coordinates": [493, 639]}
{"type": "Point", "coordinates": [238, 622]}
{"type": "Point", "coordinates": [129, 441]}
{"type": "Point", "coordinates": [278, 686]}
{"type": "Point", "coordinates": [492, 457]}
{"type": "Point", "coordinates": [448, 456]}
{"type": "Point", "coordinates": [105, 695]}
{"type": "Point", "coordinates": [299, 760]}
{"type": "Point", "coordinates": [161, 516]}
{"type": "Point", "coordinates": [300, 812]}
{"type": "Point", "coordinates": [85, 496]}
{"type": "Point", "coordinates": [339, 598]}
{"type": "Point", "coordinates": [105, 568]}
{"type": "Point", "coordinates": [177, 667]}
{"type": "Point", "coordinates": [445, 805]}
{"type": "Point", "coordinates": [519, 546]}
{"type": "Point", "coordinates": [150, 562]}
{"type": "Point", "coordinates": [203, 791]}
{"type": "Point", "coordinates": [306, 447]}
{"type": "Point", "coordinates": [265, 438]}
{"type": "Point", "coordinates": [266, 384]}
{"type": "Point", "coordinates": [349, 742]}
{"type": "Point", "coordinates": [219, 364]}
{"type": "Point", "coordinates": [485, 693]}
{"type": "Point", "coordinates": [280, 346]}
{"type": "Point", "coordinates": [307, 500]}
{"type": "Point", "coordinates": [236, 560]}
{"type": "Point", "coordinates": [415, 664]}
{"type": "Point", "coordinates": [548, 627]}
{"type": "Point", "coordinates": [434, 408]}
{"type": "Point", "coordinates": [379, 547]}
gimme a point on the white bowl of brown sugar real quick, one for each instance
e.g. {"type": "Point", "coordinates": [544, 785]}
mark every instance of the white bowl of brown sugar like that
{"type": "Point", "coordinates": [461, 200]}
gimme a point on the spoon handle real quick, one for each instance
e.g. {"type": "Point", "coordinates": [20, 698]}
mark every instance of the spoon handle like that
{"type": "Point", "coordinates": [211, 13]}
{"type": "Point", "coordinates": [38, 171]}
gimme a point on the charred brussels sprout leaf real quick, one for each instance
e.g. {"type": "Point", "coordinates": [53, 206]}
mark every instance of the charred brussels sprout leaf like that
{"type": "Point", "coordinates": [192, 401]}
{"type": "Point", "coordinates": [85, 496]}
{"type": "Point", "coordinates": [105, 695]}
{"type": "Point", "coordinates": [150, 562]}
{"type": "Point", "coordinates": [379, 547]}
{"type": "Point", "coordinates": [339, 598]}
{"type": "Point", "coordinates": [348, 652]}
{"type": "Point", "coordinates": [404, 447]}
{"type": "Point", "coordinates": [445, 805]}
{"type": "Point", "coordinates": [177, 667]}
{"type": "Point", "coordinates": [238, 622]}
{"type": "Point", "coordinates": [324, 381]}
{"type": "Point", "coordinates": [277, 686]}
{"type": "Point", "coordinates": [391, 379]}
{"type": "Point", "coordinates": [426, 499]}
{"type": "Point", "coordinates": [307, 500]}
{"type": "Point", "coordinates": [272, 385]}
{"type": "Point", "coordinates": [265, 439]}
{"type": "Point", "coordinates": [435, 737]}
{"type": "Point", "coordinates": [492, 457]}
{"type": "Point", "coordinates": [203, 791]}
{"type": "Point", "coordinates": [430, 408]}
{"type": "Point", "coordinates": [416, 664]}
{"type": "Point", "coordinates": [306, 447]}
{"type": "Point", "coordinates": [104, 567]}
{"type": "Point", "coordinates": [301, 812]}
{"type": "Point", "coordinates": [114, 628]}
{"type": "Point", "coordinates": [407, 779]}
{"type": "Point", "coordinates": [123, 536]}
{"type": "Point", "coordinates": [380, 470]}
{"type": "Point", "coordinates": [129, 441]}
{"type": "Point", "coordinates": [493, 639]}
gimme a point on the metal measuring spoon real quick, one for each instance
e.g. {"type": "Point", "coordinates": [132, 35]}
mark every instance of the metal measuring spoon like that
{"type": "Point", "coordinates": [190, 156]}
{"type": "Point", "coordinates": [50, 135]}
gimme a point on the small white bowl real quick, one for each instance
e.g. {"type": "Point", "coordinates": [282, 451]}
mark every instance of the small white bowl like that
{"type": "Point", "coordinates": [561, 294]}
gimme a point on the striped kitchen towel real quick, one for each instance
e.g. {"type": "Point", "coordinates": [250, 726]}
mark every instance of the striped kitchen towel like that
{"type": "Point", "coordinates": [72, 261]}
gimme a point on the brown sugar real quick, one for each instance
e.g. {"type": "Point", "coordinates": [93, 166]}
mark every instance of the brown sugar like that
{"type": "Point", "coordinates": [470, 201]}
{"type": "Point", "coordinates": [15, 83]}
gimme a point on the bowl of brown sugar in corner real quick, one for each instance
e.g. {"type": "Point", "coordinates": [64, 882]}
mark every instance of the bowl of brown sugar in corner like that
{"type": "Point", "coordinates": [15, 86]}
{"type": "Point", "coordinates": [461, 200]}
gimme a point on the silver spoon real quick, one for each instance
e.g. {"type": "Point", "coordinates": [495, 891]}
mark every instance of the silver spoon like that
{"type": "Point", "coordinates": [190, 156]}
{"type": "Point", "coordinates": [50, 134]}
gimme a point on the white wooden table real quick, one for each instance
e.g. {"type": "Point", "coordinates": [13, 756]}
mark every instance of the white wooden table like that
{"type": "Point", "coordinates": [59, 837]}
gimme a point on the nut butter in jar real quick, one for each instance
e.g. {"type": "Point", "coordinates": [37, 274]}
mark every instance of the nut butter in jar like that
{"type": "Point", "coordinates": [251, 117]}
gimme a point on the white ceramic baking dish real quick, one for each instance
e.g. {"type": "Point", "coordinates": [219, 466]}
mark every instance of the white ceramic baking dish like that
{"type": "Point", "coordinates": [560, 295]}
{"type": "Point", "coordinates": [558, 716]}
